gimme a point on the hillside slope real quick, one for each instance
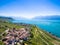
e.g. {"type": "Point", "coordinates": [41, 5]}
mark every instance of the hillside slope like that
{"type": "Point", "coordinates": [38, 36]}
{"type": "Point", "coordinates": [43, 38]}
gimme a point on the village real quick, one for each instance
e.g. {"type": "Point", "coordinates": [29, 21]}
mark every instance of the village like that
{"type": "Point", "coordinates": [16, 36]}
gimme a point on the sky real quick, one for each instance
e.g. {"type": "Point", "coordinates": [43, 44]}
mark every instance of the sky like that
{"type": "Point", "coordinates": [29, 8]}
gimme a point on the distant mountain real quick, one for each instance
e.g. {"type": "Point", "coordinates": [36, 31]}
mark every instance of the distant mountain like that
{"type": "Point", "coordinates": [56, 17]}
{"type": "Point", "coordinates": [6, 18]}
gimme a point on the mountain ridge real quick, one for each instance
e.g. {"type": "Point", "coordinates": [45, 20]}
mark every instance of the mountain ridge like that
{"type": "Point", "coordinates": [54, 17]}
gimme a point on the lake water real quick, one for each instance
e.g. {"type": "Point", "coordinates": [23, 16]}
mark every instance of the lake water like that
{"type": "Point", "coordinates": [52, 26]}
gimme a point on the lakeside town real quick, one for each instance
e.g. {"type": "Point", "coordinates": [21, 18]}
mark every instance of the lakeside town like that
{"type": "Point", "coordinates": [16, 36]}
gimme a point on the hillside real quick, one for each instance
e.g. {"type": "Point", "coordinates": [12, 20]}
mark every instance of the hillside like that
{"type": "Point", "coordinates": [37, 37]}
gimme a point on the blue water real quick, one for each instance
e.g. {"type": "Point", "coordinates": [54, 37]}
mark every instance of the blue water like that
{"type": "Point", "coordinates": [52, 26]}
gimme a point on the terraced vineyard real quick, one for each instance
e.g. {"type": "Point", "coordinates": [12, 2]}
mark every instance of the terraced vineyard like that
{"type": "Point", "coordinates": [38, 36]}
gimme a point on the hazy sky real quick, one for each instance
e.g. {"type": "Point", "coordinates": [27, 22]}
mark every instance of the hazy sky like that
{"type": "Point", "coordinates": [29, 8]}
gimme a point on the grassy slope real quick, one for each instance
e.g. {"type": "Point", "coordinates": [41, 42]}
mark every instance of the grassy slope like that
{"type": "Point", "coordinates": [38, 37]}
{"type": "Point", "coordinates": [43, 38]}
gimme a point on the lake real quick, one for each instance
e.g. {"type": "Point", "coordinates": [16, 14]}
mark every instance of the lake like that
{"type": "Point", "coordinates": [52, 26]}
